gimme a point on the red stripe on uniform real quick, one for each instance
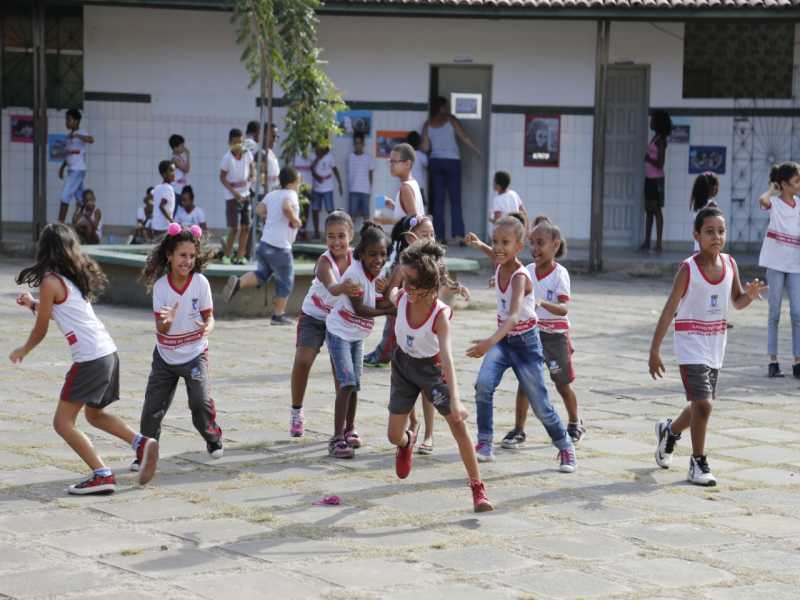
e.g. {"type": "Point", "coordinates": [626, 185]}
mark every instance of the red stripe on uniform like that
{"type": "Point", "coordinates": [353, 319]}
{"type": "Point", "coordinates": [701, 327]}
{"type": "Point", "coordinates": [67, 389]}
{"type": "Point", "coordinates": [173, 341]}
{"type": "Point", "coordinates": [783, 238]}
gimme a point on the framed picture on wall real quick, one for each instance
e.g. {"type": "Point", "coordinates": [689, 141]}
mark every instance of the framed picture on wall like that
{"type": "Point", "coordinates": [466, 106]}
{"type": "Point", "coordinates": [354, 121]}
{"type": "Point", "coordinates": [22, 129]}
{"type": "Point", "coordinates": [386, 140]}
{"type": "Point", "coordinates": [707, 158]}
{"type": "Point", "coordinates": [542, 140]}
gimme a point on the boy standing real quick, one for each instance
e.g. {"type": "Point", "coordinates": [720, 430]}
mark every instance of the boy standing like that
{"type": "Point", "coordinates": [323, 170]}
{"type": "Point", "coordinates": [507, 200]}
{"type": "Point", "coordinates": [359, 180]}
{"type": "Point", "coordinates": [181, 158]}
{"type": "Point", "coordinates": [163, 199]}
{"type": "Point", "coordinates": [74, 163]}
{"type": "Point", "coordinates": [236, 173]}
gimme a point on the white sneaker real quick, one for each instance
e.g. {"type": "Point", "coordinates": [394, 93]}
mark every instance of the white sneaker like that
{"type": "Point", "coordinates": [700, 472]}
{"type": "Point", "coordinates": [665, 443]}
{"type": "Point", "coordinates": [135, 466]}
{"type": "Point", "coordinates": [216, 450]}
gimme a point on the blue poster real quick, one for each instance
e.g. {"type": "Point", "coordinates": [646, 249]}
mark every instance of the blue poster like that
{"type": "Point", "coordinates": [56, 147]}
{"type": "Point", "coordinates": [354, 121]}
{"type": "Point", "coordinates": [707, 158]}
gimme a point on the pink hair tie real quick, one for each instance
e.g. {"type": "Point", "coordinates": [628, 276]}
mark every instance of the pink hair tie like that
{"type": "Point", "coordinates": [196, 231]}
{"type": "Point", "coordinates": [174, 229]}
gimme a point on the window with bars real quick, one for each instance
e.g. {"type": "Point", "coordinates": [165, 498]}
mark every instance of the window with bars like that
{"type": "Point", "coordinates": [738, 60]}
{"type": "Point", "coordinates": [64, 59]}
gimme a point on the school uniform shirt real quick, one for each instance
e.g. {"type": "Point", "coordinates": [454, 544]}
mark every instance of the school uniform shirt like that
{"type": "Point", "coordinates": [180, 177]}
{"type": "Point", "coordinates": [163, 191]}
{"type": "Point", "coordinates": [420, 169]}
{"type": "Point", "coordinates": [422, 341]}
{"type": "Point", "coordinates": [278, 231]}
{"type": "Point", "coordinates": [303, 166]}
{"type": "Point", "coordinates": [141, 216]}
{"type": "Point", "coordinates": [527, 310]}
{"type": "Point", "coordinates": [342, 321]}
{"type": "Point", "coordinates": [701, 324]}
{"type": "Point", "coordinates": [237, 171]}
{"type": "Point", "coordinates": [273, 171]}
{"type": "Point", "coordinates": [419, 207]}
{"type": "Point", "coordinates": [319, 301]}
{"type": "Point", "coordinates": [359, 166]}
{"type": "Point", "coordinates": [324, 169]}
{"type": "Point", "coordinates": [507, 202]}
{"type": "Point", "coordinates": [76, 151]}
{"type": "Point", "coordinates": [780, 249]}
{"type": "Point", "coordinates": [185, 340]}
{"type": "Point", "coordinates": [553, 286]}
{"type": "Point", "coordinates": [89, 218]}
{"type": "Point", "coordinates": [187, 219]}
{"type": "Point", "coordinates": [86, 335]}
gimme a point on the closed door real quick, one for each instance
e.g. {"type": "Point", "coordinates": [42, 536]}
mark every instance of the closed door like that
{"type": "Point", "coordinates": [474, 168]}
{"type": "Point", "coordinates": [626, 143]}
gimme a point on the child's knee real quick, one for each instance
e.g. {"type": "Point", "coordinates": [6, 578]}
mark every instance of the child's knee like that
{"type": "Point", "coordinates": [93, 415]}
{"type": "Point", "coordinates": [702, 408]}
{"type": "Point", "coordinates": [397, 436]}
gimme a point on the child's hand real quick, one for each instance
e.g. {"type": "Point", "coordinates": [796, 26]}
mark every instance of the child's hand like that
{"type": "Point", "coordinates": [380, 284]}
{"type": "Point", "coordinates": [755, 288]}
{"type": "Point", "coordinates": [479, 348]}
{"type": "Point", "coordinates": [774, 189]}
{"type": "Point", "coordinates": [239, 197]}
{"type": "Point", "coordinates": [204, 325]}
{"type": "Point", "coordinates": [656, 366]}
{"type": "Point", "coordinates": [352, 289]}
{"type": "Point", "coordinates": [26, 300]}
{"type": "Point", "coordinates": [472, 240]}
{"type": "Point", "coordinates": [492, 282]}
{"type": "Point", "coordinates": [389, 203]}
{"type": "Point", "coordinates": [167, 313]}
{"type": "Point", "coordinates": [462, 291]}
{"type": "Point", "coordinates": [17, 355]}
{"type": "Point", "coordinates": [458, 413]}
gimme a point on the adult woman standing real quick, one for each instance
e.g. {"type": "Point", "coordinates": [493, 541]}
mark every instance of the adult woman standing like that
{"type": "Point", "coordinates": [661, 124]}
{"type": "Point", "coordinates": [440, 136]}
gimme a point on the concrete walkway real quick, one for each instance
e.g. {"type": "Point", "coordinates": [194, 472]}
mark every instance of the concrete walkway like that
{"type": "Point", "coordinates": [246, 527]}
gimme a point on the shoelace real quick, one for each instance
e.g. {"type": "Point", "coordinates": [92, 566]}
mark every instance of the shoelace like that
{"type": "Point", "coordinates": [671, 439]}
{"type": "Point", "coordinates": [566, 453]}
{"type": "Point", "coordinates": [702, 464]}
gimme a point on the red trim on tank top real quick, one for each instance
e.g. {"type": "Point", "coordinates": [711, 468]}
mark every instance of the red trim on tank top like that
{"type": "Point", "coordinates": [540, 277]}
{"type": "Point", "coordinates": [427, 317]}
{"type": "Point", "coordinates": [699, 268]}
{"type": "Point", "coordinates": [185, 286]}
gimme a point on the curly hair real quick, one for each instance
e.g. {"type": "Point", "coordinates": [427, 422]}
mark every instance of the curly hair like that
{"type": "Point", "coordinates": [59, 251]}
{"type": "Point", "coordinates": [426, 257]}
{"type": "Point", "coordinates": [157, 264]}
{"type": "Point", "coordinates": [371, 234]}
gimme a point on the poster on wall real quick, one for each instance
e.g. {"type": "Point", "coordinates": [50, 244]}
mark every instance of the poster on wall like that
{"type": "Point", "coordinates": [56, 147]}
{"type": "Point", "coordinates": [707, 158]}
{"type": "Point", "coordinates": [386, 140]}
{"type": "Point", "coordinates": [466, 106]}
{"type": "Point", "coordinates": [354, 121]}
{"type": "Point", "coordinates": [22, 129]}
{"type": "Point", "coordinates": [681, 130]}
{"type": "Point", "coordinates": [542, 140]}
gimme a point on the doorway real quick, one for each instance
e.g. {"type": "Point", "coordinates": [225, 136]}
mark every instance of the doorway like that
{"type": "Point", "coordinates": [469, 79]}
{"type": "Point", "coordinates": [628, 98]}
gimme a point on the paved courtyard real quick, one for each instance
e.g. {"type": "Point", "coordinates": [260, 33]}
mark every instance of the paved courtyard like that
{"type": "Point", "coordinates": [246, 526]}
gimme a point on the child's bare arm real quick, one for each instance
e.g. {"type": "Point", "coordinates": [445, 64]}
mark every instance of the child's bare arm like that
{"type": "Point", "coordinates": [481, 347]}
{"type": "Point", "coordinates": [741, 297]}
{"type": "Point", "coordinates": [49, 291]}
{"type": "Point", "coordinates": [670, 308]}
{"type": "Point", "coordinates": [474, 241]}
{"type": "Point", "coordinates": [556, 308]}
{"type": "Point", "coordinates": [381, 308]}
{"type": "Point", "coordinates": [442, 326]}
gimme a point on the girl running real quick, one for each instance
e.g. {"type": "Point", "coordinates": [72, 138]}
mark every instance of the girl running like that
{"type": "Point", "coordinates": [704, 190]}
{"type": "Point", "coordinates": [780, 255]}
{"type": "Point", "coordinates": [551, 285]}
{"type": "Point", "coordinates": [516, 345]}
{"type": "Point", "coordinates": [184, 314]}
{"type": "Point", "coordinates": [68, 281]}
{"type": "Point", "coordinates": [322, 294]}
{"type": "Point", "coordinates": [349, 322]}
{"type": "Point", "coordinates": [704, 285]}
{"type": "Point", "coordinates": [423, 362]}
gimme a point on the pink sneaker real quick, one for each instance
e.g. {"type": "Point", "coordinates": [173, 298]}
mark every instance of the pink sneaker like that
{"type": "Point", "coordinates": [338, 448]}
{"type": "Point", "coordinates": [297, 423]}
{"type": "Point", "coordinates": [479, 498]}
{"type": "Point", "coordinates": [352, 438]}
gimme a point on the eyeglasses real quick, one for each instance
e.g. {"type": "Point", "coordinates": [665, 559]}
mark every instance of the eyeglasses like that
{"type": "Point", "coordinates": [395, 161]}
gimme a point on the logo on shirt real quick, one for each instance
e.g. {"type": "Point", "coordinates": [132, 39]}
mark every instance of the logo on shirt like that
{"type": "Point", "coordinates": [550, 295]}
{"type": "Point", "coordinates": [195, 304]}
{"type": "Point", "coordinates": [409, 341]}
{"type": "Point", "coordinates": [714, 300]}
{"type": "Point", "coordinates": [503, 303]}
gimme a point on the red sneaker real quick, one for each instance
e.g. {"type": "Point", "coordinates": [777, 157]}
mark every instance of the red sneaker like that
{"type": "Point", "coordinates": [94, 485]}
{"type": "Point", "coordinates": [405, 455]}
{"type": "Point", "coordinates": [147, 457]}
{"type": "Point", "coordinates": [479, 498]}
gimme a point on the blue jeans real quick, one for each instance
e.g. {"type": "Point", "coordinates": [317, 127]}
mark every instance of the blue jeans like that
{"type": "Point", "coordinates": [73, 187]}
{"type": "Point", "coordinates": [777, 280]}
{"type": "Point", "coordinates": [523, 354]}
{"type": "Point", "coordinates": [358, 204]}
{"type": "Point", "coordinates": [446, 177]}
{"type": "Point", "coordinates": [318, 199]}
{"type": "Point", "coordinates": [347, 360]}
{"type": "Point", "coordinates": [278, 263]}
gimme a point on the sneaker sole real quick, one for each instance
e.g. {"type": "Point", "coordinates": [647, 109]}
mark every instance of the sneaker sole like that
{"type": "Point", "coordinates": [484, 459]}
{"type": "Point", "coordinates": [149, 461]}
{"type": "Point", "coordinates": [296, 434]}
{"type": "Point", "coordinates": [515, 446]}
{"type": "Point", "coordinates": [701, 483]}
{"type": "Point", "coordinates": [105, 489]}
{"type": "Point", "coordinates": [566, 469]}
{"type": "Point", "coordinates": [227, 291]}
{"type": "Point", "coordinates": [664, 465]}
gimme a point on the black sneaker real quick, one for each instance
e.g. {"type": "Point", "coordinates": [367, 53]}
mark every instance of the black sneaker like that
{"type": "Point", "coordinates": [215, 449]}
{"type": "Point", "coordinates": [577, 432]}
{"type": "Point", "coordinates": [665, 443]}
{"type": "Point", "coordinates": [281, 320]}
{"type": "Point", "coordinates": [774, 370]}
{"type": "Point", "coordinates": [796, 370]}
{"type": "Point", "coordinates": [514, 439]}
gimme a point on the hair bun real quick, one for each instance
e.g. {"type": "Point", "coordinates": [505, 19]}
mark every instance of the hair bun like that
{"type": "Point", "coordinates": [197, 231]}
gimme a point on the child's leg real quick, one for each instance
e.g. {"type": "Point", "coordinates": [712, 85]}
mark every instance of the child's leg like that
{"type": "Point", "coordinates": [158, 396]}
{"type": "Point", "coordinates": [64, 424]}
{"type": "Point", "coordinates": [204, 413]}
{"type": "Point", "coordinates": [315, 221]}
{"type": "Point", "coordinates": [98, 417]}
{"type": "Point", "coordinates": [700, 383]}
{"type": "Point", "coordinates": [244, 238]}
{"type": "Point", "coordinates": [570, 401]}
{"type": "Point", "coordinates": [775, 280]}
{"type": "Point", "coordinates": [282, 265]}
{"type": "Point", "coordinates": [396, 431]}
{"type": "Point", "coordinates": [232, 231]}
{"type": "Point", "coordinates": [341, 409]}
{"type": "Point", "coordinates": [793, 288]}
{"type": "Point", "coordinates": [63, 209]}
{"type": "Point", "coordinates": [341, 355]}
{"type": "Point", "coordinates": [303, 361]}
{"type": "Point", "coordinates": [428, 413]}
{"type": "Point", "coordinates": [357, 356]}
{"type": "Point", "coordinates": [465, 448]}
{"type": "Point", "coordinates": [520, 410]}
{"type": "Point", "coordinates": [494, 364]}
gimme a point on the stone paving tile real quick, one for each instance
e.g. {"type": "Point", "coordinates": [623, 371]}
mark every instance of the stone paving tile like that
{"type": "Point", "coordinates": [589, 545]}
{"type": "Point", "coordinates": [284, 549]}
{"type": "Point", "coordinates": [773, 591]}
{"type": "Point", "coordinates": [44, 521]}
{"type": "Point", "coordinates": [50, 582]}
{"type": "Point", "coordinates": [255, 586]}
{"type": "Point", "coordinates": [155, 509]}
{"type": "Point", "coordinates": [374, 573]}
{"type": "Point", "coordinates": [212, 532]}
{"type": "Point", "coordinates": [678, 535]}
{"type": "Point", "coordinates": [475, 559]}
{"type": "Point", "coordinates": [783, 561]}
{"type": "Point", "coordinates": [774, 526]}
{"type": "Point", "coordinates": [97, 541]}
{"type": "Point", "coordinates": [454, 592]}
{"type": "Point", "coordinates": [670, 572]}
{"type": "Point", "coordinates": [168, 564]}
{"type": "Point", "coordinates": [566, 584]}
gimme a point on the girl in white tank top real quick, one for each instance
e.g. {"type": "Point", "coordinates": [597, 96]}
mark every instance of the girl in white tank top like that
{"type": "Point", "coordinates": [67, 281]}
{"type": "Point", "coordinates": [705, 285]}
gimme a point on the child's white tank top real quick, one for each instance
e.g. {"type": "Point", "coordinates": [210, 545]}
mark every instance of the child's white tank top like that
{"type": "Point", "coordinates": [86, 335]}
{"type": "Point", "coordinates": [319, 301]}
{"type": "Point", "coordinates": [527, 309]}
{"type": "Point", "coordinates": [422, 341]}
{"type": "Point", "coordinates": [701, 325]}
{"type": "Point", "coordinates": [780, 249]}
{"type": "Point", "coordinates": [419, 208]}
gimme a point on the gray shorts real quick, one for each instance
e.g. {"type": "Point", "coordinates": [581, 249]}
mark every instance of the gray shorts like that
{"type": "Point", "coordinates": [410, 376]}
{"type": "Point", "coordinates": [557, 349]}
{"type": "Point", "coordinates": [94, 382]}
{"type": "Point", "coordinates": [699, 381]}
{"type": "Point", "coordinates": [310, 332]}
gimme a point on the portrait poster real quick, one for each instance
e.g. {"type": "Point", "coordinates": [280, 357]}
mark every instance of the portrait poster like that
{"type": "Point", "coordinates": [22, 129]}
{"type": "Point", "coordinates": [386, 140]}
{"type": "Point", "coordinates": [707, 158]}
{"type": "Point", "coordinates": [56, 147]}
{"type": "Point", "coordinates": [354, 121]}
{"type": "Point", "coordinates": [542, 140]}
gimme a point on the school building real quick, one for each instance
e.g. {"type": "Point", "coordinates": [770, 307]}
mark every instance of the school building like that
{"type": "Point", "coordinates": [725, 70]}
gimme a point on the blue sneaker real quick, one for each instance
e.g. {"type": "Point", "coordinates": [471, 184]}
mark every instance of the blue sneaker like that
{"type": "Point", "coordinates": [483, 452]}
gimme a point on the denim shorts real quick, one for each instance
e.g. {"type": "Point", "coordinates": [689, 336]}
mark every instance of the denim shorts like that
{"type": "Point", "coordinates": [346, 358]}
{"type": "Point", "coordinates": [359, 204]}
{"type": "Point", "coordinates": [73, 187]}
{"type": "Point", "coordinates": [320, 198]}
{"type": "Point", "coordinates": [277, 263]}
